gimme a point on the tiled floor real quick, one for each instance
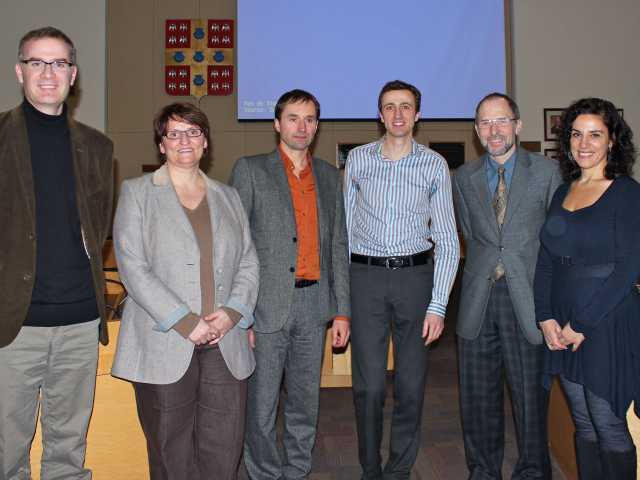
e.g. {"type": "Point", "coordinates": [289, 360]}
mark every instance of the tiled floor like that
{"type": "Point", "coordinates": [441, 455]}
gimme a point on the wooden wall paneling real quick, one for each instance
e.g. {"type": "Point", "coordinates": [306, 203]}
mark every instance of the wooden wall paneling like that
{"type": "Point", "coordinates": [132, 150]}
{"type": "Point", "coordinates": [228, 146]}
{"type": "Point", "coordinates": [130, 76]}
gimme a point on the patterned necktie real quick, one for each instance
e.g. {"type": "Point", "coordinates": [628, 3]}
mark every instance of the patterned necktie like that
{"type": "Point", "coordinates": [500, 208]}
{"type": "Point", "coordinates": [500, 197]}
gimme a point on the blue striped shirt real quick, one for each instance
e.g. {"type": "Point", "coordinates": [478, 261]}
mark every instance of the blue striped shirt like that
{"type": "Point", "coordinates": [400, 208]}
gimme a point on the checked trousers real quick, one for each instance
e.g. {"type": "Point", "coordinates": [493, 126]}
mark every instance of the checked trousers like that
{"type": "Point", "coordinates": [502, 352]}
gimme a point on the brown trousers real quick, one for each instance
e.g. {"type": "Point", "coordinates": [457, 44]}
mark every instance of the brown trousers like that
{"type": "Point", "coordinates": [195, 426]}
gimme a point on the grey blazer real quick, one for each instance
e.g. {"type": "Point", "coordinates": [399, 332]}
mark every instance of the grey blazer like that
{"type": "Point", "coordinates": [159, 263]}
{"type": "Point", "coordinates": [264, 190]}
{"type": "Point", "coordinates": [533, 184]}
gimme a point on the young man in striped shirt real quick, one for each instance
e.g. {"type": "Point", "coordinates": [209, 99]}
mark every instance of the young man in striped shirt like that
{"type": "Point", "coordinates": [404, 256]}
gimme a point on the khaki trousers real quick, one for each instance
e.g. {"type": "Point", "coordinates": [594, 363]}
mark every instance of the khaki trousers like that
{"type": "Point", "coordinates": [54, 367]}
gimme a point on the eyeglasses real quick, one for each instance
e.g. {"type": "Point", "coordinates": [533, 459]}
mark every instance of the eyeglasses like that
{"type": "Point", "coordinates": [38, 65]}
{"type": "Point", "coordinates": [498, 122]}
{"type": "Point", "coordinates": [176, 134]}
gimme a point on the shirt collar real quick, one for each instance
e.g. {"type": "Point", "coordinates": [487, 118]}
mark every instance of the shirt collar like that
{"type": "Point", "coordinates": [492, 165]}
{"type": "Point", "coordinates": [161, 178]}
{"type": "Point", "coordinates": [288, 163]}
{"type": "Point", "coordinates": [414, 148]}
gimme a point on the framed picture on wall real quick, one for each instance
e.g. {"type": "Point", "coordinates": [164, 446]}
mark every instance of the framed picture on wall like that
{"type": "Point", "coordinates": [342, 150]}
{"type": "Point", "coordinates": [551, 153]}
{"type": "Point", "coordinates": [552, 123]}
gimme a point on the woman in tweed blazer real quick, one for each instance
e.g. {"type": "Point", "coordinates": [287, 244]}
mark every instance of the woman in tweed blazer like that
{"type": "Point", "coordinates": [186, 257]}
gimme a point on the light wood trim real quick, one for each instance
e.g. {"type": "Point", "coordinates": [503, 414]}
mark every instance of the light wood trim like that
{"type": "Point", "coordinates": [336, 365]}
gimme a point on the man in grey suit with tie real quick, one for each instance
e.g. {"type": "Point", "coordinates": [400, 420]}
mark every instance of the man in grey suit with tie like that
{"type": "Point", "coordinates": [295, 209]}
{"type": "Point", "coordinates": [501, 202]}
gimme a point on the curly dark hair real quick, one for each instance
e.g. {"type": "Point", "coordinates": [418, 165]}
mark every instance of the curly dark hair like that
{"type": "Point", "coordinates": [623, 151]}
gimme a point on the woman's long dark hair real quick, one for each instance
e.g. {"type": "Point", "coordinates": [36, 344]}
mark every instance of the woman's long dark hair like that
{"type": "Point", "coordinates": [623, 152]}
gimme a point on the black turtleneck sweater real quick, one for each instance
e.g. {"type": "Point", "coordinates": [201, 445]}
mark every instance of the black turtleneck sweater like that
{"type": "Point", "coordinates": [63, 293]}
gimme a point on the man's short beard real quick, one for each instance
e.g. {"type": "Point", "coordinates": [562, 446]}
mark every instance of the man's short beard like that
{"type": "Point", "coordinates": [503, 150]}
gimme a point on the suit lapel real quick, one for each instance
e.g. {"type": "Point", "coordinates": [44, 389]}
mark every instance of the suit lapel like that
{"type": "Point", "coordinates": [215, 207]}
{"type": "Point", "coordinates": [167, 201]}
{"type": "Point", "coordinates": [479, 181]}
{"type": "Point", "coordinates": [81, 164]}
{"type": "Point", "coordinates": [276, 166]}
{"type": "Point", "coordinates": [320, 200]}
{"type": "Point", "coordinates": [22, 156]}
{"type": "Point", "coordinates": [79, 152]}
{"type": "Point", "coordinates": [519, 184]}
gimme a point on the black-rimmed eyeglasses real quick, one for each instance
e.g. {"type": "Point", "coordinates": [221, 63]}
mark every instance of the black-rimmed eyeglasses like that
{"type": "Point", "coordinates": [38, 65]}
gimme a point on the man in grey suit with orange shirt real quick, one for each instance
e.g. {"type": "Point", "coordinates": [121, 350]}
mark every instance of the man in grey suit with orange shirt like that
{"type": "Point", "coordinates": [295, 209]}
{"type": "Point", "coordinates": [501, 202]}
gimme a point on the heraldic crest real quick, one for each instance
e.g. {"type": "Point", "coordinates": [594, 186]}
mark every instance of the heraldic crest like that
{"type": "Point", "coordinates": [198, 57]}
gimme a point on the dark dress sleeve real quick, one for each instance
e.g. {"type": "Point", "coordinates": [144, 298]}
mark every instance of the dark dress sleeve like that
{"type": "Point", "coordinates": [542, 285]}
{"type": "Point", "coordinates": [542, 281]}
{"type": "Point", "coordinates": [626, 255]}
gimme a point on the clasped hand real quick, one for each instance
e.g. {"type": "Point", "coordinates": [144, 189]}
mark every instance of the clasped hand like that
{"type": "Point", "coordinates": [211, 328]}
{"type": "Point", "coordinates": [558, 338]}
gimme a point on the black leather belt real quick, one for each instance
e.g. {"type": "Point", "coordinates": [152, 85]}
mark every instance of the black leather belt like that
{"type": "Point", "coordinates": [303, 282]}
{"type": "Point", "coordinates": [394, 262]}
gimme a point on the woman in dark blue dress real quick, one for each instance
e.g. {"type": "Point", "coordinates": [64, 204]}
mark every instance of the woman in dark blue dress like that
{"type": "Point", "coordinates": [587, 304]}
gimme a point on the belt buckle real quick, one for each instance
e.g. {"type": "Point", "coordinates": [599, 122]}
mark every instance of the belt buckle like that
{"type": "Point", "coordinates": [566, 261]}
{"type": "Point", "coordinates": [393, 263]}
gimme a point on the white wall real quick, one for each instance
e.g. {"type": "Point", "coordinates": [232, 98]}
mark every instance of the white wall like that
{"type": "Point", "coordinates": [84, 21]}
{"type": "Point", "coordinates": [564, 50]}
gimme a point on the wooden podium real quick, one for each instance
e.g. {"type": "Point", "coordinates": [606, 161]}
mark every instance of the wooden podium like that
{"type": "Point", "coordinates": [336, 364]}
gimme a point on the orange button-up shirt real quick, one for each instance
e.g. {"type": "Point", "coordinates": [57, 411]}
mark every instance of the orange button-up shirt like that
{"type": "Point", "coordinates": [305, 208]}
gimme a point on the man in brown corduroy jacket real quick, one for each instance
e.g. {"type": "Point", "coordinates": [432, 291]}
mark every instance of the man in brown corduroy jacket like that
{"type": "Point", "coordinates": [56, 187]}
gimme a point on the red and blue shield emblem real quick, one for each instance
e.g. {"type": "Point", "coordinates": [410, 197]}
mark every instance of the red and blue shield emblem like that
{"type": "Point", "coordinates": [199, 57]}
